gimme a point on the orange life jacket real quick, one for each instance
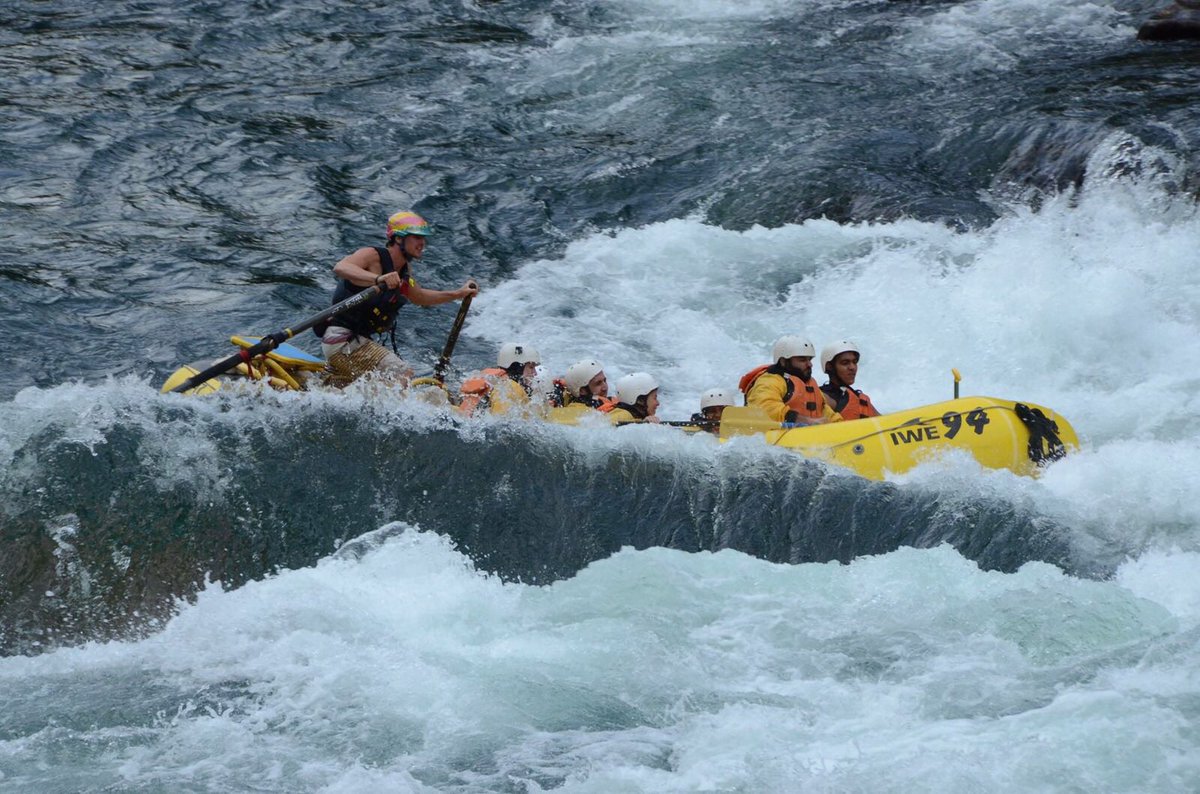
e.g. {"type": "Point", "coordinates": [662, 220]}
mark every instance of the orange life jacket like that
{"type": "Point", "coordinates": [801, 396]}
{"type": "Point", "coordinates": [475, 390]}
{"type": "Point", "coordinates": [849, 402]}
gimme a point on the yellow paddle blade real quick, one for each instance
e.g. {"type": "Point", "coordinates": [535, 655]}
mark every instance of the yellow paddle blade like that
{"type": "Point", "coordinates": [183, 373]}
{"type": "Point", "coordinates": [739, 421]}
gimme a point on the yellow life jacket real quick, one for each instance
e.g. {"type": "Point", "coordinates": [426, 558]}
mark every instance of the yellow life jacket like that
{"type": "Point", "coordinates": [798, 395]}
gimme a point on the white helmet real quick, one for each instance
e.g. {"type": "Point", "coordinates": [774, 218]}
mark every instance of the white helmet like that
{"type": "Point", "coordinates": [517, 353]}
{"type": "Point", "coordinates": [788, 346]}
{"type": "Point", "coordinates": [635, 385]}
{"type": "Point", "coordinates": [715, 397]}
{"type": "Point", "coordinates": [581, 373]}
{"type": "Point", "coordinates": [830, 352]}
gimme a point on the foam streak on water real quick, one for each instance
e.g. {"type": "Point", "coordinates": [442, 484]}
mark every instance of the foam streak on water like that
{"type": "Point", "coordinates": [395, 665]}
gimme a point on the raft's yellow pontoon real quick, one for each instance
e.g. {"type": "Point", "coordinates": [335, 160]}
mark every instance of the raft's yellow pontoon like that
{"type": "Point", "coordinates": [999, 434]}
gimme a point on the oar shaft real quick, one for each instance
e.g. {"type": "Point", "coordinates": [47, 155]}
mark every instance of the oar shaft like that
{"type": "Point", "coordinates": [439, 371]}
{"type": "Point", "coordinates": [703, 424]}
{"type": "Point", "coordinates": [272, 341]}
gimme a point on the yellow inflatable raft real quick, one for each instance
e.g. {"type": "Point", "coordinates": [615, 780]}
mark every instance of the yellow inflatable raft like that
{"type": "Point", "coordinates": [999, 434]}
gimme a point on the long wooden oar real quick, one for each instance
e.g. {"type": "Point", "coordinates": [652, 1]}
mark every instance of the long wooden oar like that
{"type": "Point", "coordinates": [439, 371]}
{"type": "Point", "coordinates": [272, 341]}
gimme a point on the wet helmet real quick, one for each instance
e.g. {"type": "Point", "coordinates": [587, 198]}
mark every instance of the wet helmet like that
{"type": "Point", "coordinates": [715, 397]}
{"type": "Point", "coordinates": [406, 222]}
{"type": "Point", "coordinates": [788, 346]}
{"type": "Point", "coordinates": [517, 353]}
{"type": "Point", "coordinates": [581, 373]}
{"type": "Point", "coordinates": [635, 385]}
{"type": "Point", "coordinates": [830, 352]}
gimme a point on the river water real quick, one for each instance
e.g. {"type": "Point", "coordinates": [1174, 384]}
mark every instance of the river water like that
{"type": "Point", "coordinates": [352, 592]}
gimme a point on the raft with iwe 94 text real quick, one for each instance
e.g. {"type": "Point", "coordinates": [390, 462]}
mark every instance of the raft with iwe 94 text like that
{"type": "Point", "coordinates": [998, 434]}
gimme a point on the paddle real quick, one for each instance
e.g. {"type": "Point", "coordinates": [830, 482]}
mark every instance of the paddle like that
{"type": "Point", "coordinates": [439, 371]}
{"type": "Point", "coordinates": [957, 378]}
{"type": "Point", "coordinates": [695, 424]}
{"type": "Point", "coordinates": [735, 421]}
{"type": "Point", "coordinates": [272, 341]}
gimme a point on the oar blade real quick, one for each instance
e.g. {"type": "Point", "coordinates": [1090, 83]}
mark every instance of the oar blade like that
{"type": "Point", "coordinates": [185, 373]}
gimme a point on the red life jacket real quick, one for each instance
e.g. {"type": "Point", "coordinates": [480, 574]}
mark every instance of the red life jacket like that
{"type": "Point", "coordinates": [801, 396]}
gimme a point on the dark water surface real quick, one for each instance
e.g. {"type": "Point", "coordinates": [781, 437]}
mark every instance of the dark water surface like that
{"type": "Point", "coordinates": [164, 165]}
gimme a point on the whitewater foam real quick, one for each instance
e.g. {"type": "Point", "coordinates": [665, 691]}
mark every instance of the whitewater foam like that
{"type": "Point", "coordinates": [396, 662]}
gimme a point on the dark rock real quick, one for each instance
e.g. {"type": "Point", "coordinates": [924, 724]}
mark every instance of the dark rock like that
{"type": "Point", "coordinates": [1173, 23]}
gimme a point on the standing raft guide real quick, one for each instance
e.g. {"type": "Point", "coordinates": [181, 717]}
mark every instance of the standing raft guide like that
{"type": "Point", "coordinates": [782, 403]}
